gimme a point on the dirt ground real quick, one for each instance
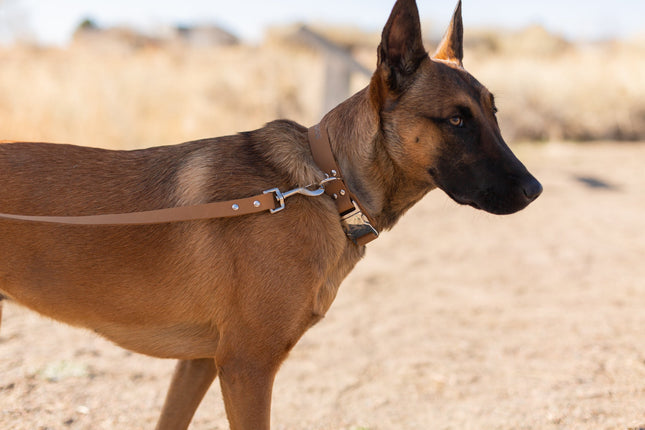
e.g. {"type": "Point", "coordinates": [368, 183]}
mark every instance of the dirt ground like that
{"type": "Point", "coordinates": [455, 320]}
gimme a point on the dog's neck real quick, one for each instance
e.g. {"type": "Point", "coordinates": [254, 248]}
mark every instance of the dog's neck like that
{"type": "Point", "coordinates": [358, 143]}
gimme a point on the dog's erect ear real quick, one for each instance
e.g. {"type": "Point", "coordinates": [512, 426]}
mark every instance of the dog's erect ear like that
{"type": "Point", "coordinates": [401, 49]}
{"type": "Point", "coordinates": [451, 47]}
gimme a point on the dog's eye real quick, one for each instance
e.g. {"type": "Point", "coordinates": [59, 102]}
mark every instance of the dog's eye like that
{"type": "Point", "coordinates": [456, 121]}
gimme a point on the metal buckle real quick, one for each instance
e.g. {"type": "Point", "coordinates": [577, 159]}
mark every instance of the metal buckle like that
{"type": "Point", "coordinates": [356, 225]}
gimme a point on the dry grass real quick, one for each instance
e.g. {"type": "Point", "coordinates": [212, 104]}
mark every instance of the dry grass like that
{"type": "Point", "coordinates": [114, 96]}
{"type": "Point", "coordinates": [550, 90]}
{"type": "Point", "coordinates": [120, 98]}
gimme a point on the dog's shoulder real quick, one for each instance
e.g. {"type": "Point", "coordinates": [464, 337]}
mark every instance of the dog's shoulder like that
{"type": "Point", "coordinates": [284, 145]}
{"type": "Point", "coordinates": [276, 155]}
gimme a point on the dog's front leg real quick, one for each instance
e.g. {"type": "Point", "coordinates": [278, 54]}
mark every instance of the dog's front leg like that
{"type": "Point", "coordinates": [247, 395]}
{"type": "Point", "coordinates": [246, 372]}
{"type": "Point", "coordinates": [189, 385]}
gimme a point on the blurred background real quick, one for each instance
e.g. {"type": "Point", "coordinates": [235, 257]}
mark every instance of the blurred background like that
{"type": "Point", "coordinates": [456, 319]}
{"type": "Point", "coordinates": [128, 74]}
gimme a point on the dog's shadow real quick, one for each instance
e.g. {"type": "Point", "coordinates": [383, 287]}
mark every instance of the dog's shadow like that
{"type": "Point", "coordinates": [595, 183]}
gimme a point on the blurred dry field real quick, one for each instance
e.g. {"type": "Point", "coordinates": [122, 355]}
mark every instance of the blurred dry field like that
{"type": "Point", "coordinates": [455, 320]}
{"type": "Point", "coordinates": [123, 99]}
{"type": "Point", "coordinates": [118, 96]}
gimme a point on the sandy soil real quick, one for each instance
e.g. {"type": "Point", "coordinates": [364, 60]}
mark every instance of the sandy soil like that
{"type": "Point", "coordinates": [455, 320]}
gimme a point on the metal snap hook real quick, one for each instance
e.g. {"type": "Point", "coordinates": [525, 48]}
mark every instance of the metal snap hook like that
{"type": "Point", "coordinates": [305, 191]}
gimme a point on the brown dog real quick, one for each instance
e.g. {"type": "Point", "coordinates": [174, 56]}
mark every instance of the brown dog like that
{"type": "Point", "coordinates": [231, 296]}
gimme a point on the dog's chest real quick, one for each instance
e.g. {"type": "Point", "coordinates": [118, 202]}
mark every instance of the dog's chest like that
{"type": "Point", "coordinates": [335, 276]}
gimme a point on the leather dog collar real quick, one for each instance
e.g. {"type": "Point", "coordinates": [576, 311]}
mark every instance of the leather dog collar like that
{"type": "Point", "coordinates": [357, 224]}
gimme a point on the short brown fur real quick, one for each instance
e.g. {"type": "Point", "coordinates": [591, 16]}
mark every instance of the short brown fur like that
{"type": "Point", "coordinates": [230, 297]}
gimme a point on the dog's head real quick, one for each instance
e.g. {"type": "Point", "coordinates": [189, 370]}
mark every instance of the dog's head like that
{"type": "Point", "coordinates": [439, 122]}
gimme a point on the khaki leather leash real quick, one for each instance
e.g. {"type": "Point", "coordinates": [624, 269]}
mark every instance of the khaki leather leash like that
{"type": "Point", "coordinates": [356, 224]}
{"type": "Point", "coordinates": [230, 208]}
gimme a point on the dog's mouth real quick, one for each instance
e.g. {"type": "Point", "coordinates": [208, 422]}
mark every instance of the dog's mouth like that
{"type": "Point", "coordinates": [461, 200]}
{"type": "Point", "coordinates": [491, 202]}
{"type": "Point", "coordinates": [470, 203]}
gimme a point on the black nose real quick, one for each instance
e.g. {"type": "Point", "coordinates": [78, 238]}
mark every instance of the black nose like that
{"type": "Point", "coordinates": [532, 188]}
